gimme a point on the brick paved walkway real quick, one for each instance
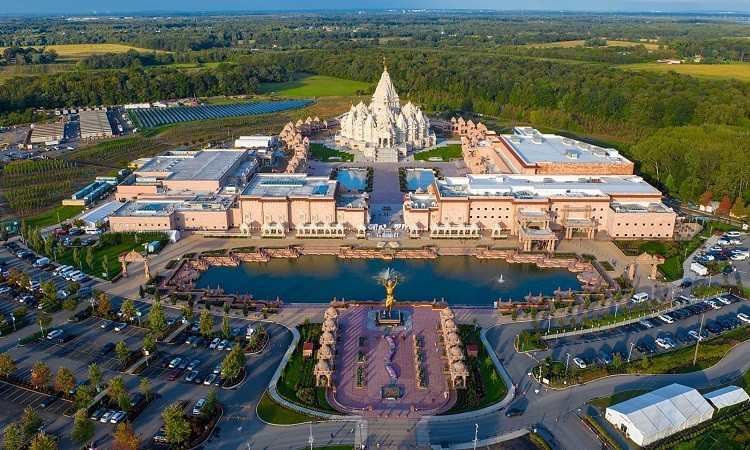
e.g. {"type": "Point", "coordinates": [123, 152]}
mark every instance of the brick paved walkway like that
{"type": "Point", "coordinates": [421, 321]}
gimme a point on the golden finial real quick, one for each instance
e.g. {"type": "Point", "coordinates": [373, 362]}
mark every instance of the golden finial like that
{"type": "Point", "coordinates": [385, 67]}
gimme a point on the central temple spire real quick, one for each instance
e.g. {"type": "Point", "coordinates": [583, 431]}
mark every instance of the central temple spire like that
{"type": "Point", "coordinates": [385, 67]}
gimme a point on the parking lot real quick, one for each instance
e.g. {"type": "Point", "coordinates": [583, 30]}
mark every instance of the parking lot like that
{"type": "Point", "coordinates": [19, 396]}
{"type": "Point", "coordinates": [641, 339]}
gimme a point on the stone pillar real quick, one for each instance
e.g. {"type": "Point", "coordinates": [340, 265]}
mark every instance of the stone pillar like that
{"type": "Point", "coordinates": [124, 269]}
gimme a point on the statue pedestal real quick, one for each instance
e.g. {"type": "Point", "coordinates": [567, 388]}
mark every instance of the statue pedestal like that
{"type": "Point", "coordinates": [386, 317]}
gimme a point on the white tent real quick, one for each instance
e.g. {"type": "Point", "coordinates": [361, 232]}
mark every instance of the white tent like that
{"type": "Point", "coordinates": [727, 396]}
{"type": "Point", "coordinates": [650, 417]}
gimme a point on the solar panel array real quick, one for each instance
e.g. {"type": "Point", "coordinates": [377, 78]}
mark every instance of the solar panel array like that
{"type": "Point", "coordinates": [159, 116]}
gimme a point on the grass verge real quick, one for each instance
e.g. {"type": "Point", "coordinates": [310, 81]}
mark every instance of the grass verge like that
{"type": "Point", "coordinates": [447, 153]}
{"type": "Point", "coordinates": [325, 153]}
{"type": "Point", "coordinates": [51, 217]}
{"type": "Point", "coordinates": [271, 412]}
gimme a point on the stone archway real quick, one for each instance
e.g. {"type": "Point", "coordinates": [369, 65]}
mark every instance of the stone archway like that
{"type": "Point", "coordinates": [134, 256]}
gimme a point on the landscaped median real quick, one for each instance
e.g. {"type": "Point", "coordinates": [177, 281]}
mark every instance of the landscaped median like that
{"type": "Point", "coordinates": [271, 412]}
{"type": "Point", "coordinates": [710, 352]}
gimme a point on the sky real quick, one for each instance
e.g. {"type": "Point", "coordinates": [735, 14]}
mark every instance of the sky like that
{"type": "Point", "coordinates": [71, 7]}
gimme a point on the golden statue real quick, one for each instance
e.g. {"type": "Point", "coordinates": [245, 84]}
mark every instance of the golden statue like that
{"type": "Point", "coordinates": [390, 285]}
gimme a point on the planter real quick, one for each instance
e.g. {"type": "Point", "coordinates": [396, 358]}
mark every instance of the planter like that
{"type": "Point", "coordinates": [232, 384]}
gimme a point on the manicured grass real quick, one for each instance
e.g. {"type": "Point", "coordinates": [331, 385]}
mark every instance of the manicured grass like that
{"type": "Point", "coordinates": [325, 153]}
{"type": "Point", "coordinates": [619, 397]}
{"type": "Point", "coordinates": [112, 252]}
{"type": "Point", "coordinates": [306, 85]}
{"type": "Point", "coordinates": [80, 51]}
{"type": "Point", "coordinates": [50, 217]}
{"type": "Point", "coordinates": [737, 71]}
{"type": "Point", "coordinates": [447, 153]}
{"type": "Point", "coordinates": [610, 43]}
{"type": "Point", "coordinates": [271, 412]}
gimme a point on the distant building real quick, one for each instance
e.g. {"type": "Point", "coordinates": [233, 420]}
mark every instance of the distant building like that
{"type": "Point", "coordinates": [727, 396]}
{"type": "Point", "coordinates": [661, 413]}
{"type": "Point", "coordinates": [95, 124]}
{"type": "Point", "coordinates": [41, 133]}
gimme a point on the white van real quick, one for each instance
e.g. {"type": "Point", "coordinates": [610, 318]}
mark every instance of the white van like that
{"type": "Point", "coordinates": [70, 275]}
{"type": "Point", "coordinates": [732, 234]}
{"type": "Point", "coordinates": [64, 273]}
{"type": "Point", "coordinates": [41, 262]}
{"type": "Point", "coordinates": [639, 297]}
{"type": "Point", "coordinates": [60, 270]}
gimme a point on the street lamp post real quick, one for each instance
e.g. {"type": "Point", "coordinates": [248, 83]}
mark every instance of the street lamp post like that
{"type": "Point", "coordinates": [632, 344]}
{"type": "Point", "coordinates": [311, 439]}
{"type": "Point", "coordinates": [14, 321]}
{"type": "Point", "coordinates": [476, 435]}
{"type": "Point", "coordinates": [567, 360]}
{"type": "Point", "coordinates": [700, 330]}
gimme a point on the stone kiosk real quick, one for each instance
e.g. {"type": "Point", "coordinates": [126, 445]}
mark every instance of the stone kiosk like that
{"type": "Point", "coordinates": [325, 366]}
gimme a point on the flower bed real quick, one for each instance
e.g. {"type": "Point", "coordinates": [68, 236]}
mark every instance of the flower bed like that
{"type": "Point", "coordinates": [150, 360]}
{"type": "Point", "coordinates": [359, 380]}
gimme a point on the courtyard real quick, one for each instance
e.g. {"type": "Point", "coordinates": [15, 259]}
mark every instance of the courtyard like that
{"type": "Point", "coordinates": [363, 344]}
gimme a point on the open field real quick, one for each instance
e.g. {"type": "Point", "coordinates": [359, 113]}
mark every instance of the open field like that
{"type": "Point", "coordinates": [610, 43]}
{"type": "Point", "coordinates": [80, 51]}
{"type": "Point", "coordinates": [306, 85]}
{"type": "Point", "coordinates": [447, 153]}
{"type": "Point", "coordinates": [736, 71]}
{"type": "Point", "coordinates": [51, 217]}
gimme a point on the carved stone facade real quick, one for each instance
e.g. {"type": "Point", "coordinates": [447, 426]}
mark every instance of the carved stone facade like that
{"type": "Point", "coordinates": [385, 127]}
{"type": "Point", "coordinates": [325, 366]}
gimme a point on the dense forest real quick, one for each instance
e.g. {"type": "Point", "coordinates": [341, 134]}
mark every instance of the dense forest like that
{"type": "Point", "coordinates": [28, 55]}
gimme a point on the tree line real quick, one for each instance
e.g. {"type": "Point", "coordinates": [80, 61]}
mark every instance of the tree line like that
{"type": "Point", "coordinates": [29, 55]}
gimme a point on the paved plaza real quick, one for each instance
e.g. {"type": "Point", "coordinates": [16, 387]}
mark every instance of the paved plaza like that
{"type": "Point", "coordinates": [367, 400]}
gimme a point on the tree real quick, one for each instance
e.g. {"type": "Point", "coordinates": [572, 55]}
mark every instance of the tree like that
{"type": "Point", "coordinates": [206, 323]}
{"type": "Point", "coordinates": [156, 319]}
{"type": "Point", "coordinates": [25, 280]}
{"type": "Point", "coordinates": [514, 313]}
{"type": "Point", "coordinates": [4, 235]}
{"type": "Point", "coordinates": [77, 256]}
{"type": "Point", "coordinates": [64, 381]}
{"type": "Point", "coordinates": [124, 437]}
{"type": "Point", "coordinates": [95, 375]}
{"type": "Point", "coordinates": [141, 292]}
{"type": "Point", "coordinates": [20, 313]}
{"type": "Point", "coordinates": [210, 406]}
{"type": "Point", "coordinates": [70, 303]}
{"type": "Point", "coordinates": [122, 351]}
{"type": "Point", "coordinates": [738, 209]}
{"type": "Point", "coordinates": [226, 330]}
{"type": "Point", "coordinates": [117, 387]}
{"type": "Point", "coordinates": [7, 365]}
{"type": "Point", "coordinates": [30, 422]}
{"type": "Point", "coordinates": [149, 343]}
{"type": "Point", "coordinates": [90, 257]}
{"type": "Point", "coordinates": [187, 312]}
{"type": "Point", "coordinates": [60, 249]}
{"type": "Point", "coordinates": [617, 361]}
{"type": "Point", "coordinates": [105, 265]}
{"type": "Point", "coordinates": [157, 294]}
{"type": "Point", "coordinates": [144, 387]}
{"type": "Point", "coordinates": [44, 442]}
{"type": "Point", "coordinates": [49, 292]}
{"type": "Point", "coordinates": [13, 436]}
{"type": "Point", "coordinates": [493, 376]}
{"type": "Point", "coordinates": [725, 205]}
{"type": "Point", "coordinates": [103, 305]}
{"type": "Point", "coordinates": [706, 198]}
{"type": "Point", "coordinates": [670, 184]}
{"type": "Point", "coordinates": [74, 287]}
{"type": "Point", "coordinates": [40, 375]}
{"type": "Point", "coordinates": [128, 309]}
{"type": "Point", "coordinates": [83, 428]}
{"type": "Point", "coordinates": [44, 321]}
{"type": "Point", "coordinates": [84, 396]}
{"type": "Point", "coordinates": [232, 365]}
{"type": "Point", "coordinates": [176, 426]}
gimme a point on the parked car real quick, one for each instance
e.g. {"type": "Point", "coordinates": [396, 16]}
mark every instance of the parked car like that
{"type": "Point", "coordinates": [67, 338]}
{"type": "Point", "coordinates": [744, 317]}
{"type": "Point", "coordinates": [198, 406]}
{"type": "Point", "coordinates": [663, 344]}
{"type": "Point", "coordinates": [107, 324]}
{"type": "Point", "coordinates": [191, 376]}
{"type": "Point", "coordinates": [54, 334]}
{"type": "Point", "coordinates": [96, 415]}
{"type": "Point", "coordinates": [217, 369]}
{"type": "Point", "coordinates": [190, 340]}
{"type": "Point", "coordinates": [184, 363]}
{"type": "Point", "coordinates": [198, 342]}
{"type": "Point", "coordinates": [193, 364]}
{"type": "Point", "coordinates": [175, 362]}
{"type": "Point", "coordinates": [120, 326]}
{"type": "Point", "coordinates": [175, 373]}
{"type": "Point", "coordinates": [108, 347]}
{"type": "Point", "coordinates": [580, 363]}
{"type": "Point", "coordinates": [47, 401]}
{"type": "Point", "coordinates": [222, 345]}
{"type": "Point", "coordinates": [137, 397]}
{"type": "Point", "coordinates": [107, 415]}
{"type": "Point", "coordinates": [215, 343]}
{"type": "Point", "coordinates": [117, 417]}
{"type": "Point", "coordinates": [513, 412]}
{"type": "Point", "coordinates": [605, 357]}
{"type": "Point", "coordinates": [209, 379]}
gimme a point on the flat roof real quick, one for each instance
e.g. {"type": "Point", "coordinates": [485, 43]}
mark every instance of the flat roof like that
{"type": "Point", "coordinates": [534, 147]}
{"type": "Point", "coordinates": [102, 212]}
{"type": "Point", "coordinates": [535, 186]}
{"type": "Point", "coordinates": [206, 164]}
{"type": "Point", "coordinates": [290, 185]}
{"type": "Point", "coordinates": [161, 208]}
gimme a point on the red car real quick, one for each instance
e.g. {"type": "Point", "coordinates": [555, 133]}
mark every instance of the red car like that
{"type": "Point", "coordinates": [175, 374]}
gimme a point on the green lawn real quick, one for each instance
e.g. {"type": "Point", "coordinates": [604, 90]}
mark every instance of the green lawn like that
{"type": "Point", "coordinates": [50, 217]}
{"type": "Point", "coordinates": [447, 153]}
{"type": "Point", "coordinates": [325, 153]}
{"type": "Point", "coordinates": [113, 252]}
{"type": "Point", "coordinates": [736, 71]}
{"type": "Point", "coordinates": [271, 412]}
{"type": "Point", "coordinates": [306, 85]}
{"type": "Point", "coordinates": [619, 397]}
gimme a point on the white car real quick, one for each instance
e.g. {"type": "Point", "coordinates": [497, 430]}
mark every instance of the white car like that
{"type": "Point", "coordinates": [217, 369]}
{"type": "Point", "coordinates": [222, 345]}
{"type": "Point", "coordinates": [743, 317]}
{"type": "Point", "coordinates": [198, 406]}
{"type": "Point", "coordinates": [666, 319]}
{"type": "Point", "coordinates": [713, 304]}
{"type": "Point", "coordinates": [724, 300]}
{"type": "Point", "coordinates": [738, 257]}
{"type": "Point", "coordinates": [4, 289]}
{"type": "Point", "coordinates": [663, 344]}
{"type": "Point", "coordinates": [214, 343]}
{"type": "Point", "coordinates": [175, 362]}
{"type": "Point", "coordinates": [732, 234]}
{"type": "Point", "coordinates": [191, 376]}
{"type": "Point", "coordinates": [117, 417]}
{"type": "Point", "coordinates": [193, 364]}
{"type": "Point", "coordinates": [54, 334]}
{"type": "Point", "coordinates": [107, 415]}
{"type": "Point", "coordinates": [580, 363]}
{"type": "Point", "coordinates": [121, 326]}
{"type": "Point", "coordinates": [695, 335]}
{"type": "Point", "coordinates": [210, 379]}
